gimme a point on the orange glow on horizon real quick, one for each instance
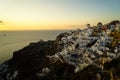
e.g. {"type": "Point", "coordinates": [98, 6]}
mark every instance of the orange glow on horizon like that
{"type": "Point", "coordinates": [38, 26]}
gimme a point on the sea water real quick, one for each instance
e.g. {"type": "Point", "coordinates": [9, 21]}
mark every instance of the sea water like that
{"type": "Point", "coordinates": [11, 41]}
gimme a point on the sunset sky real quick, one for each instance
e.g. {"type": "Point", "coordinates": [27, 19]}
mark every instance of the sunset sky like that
{"type": "Point", "coordinates": [56, 14]}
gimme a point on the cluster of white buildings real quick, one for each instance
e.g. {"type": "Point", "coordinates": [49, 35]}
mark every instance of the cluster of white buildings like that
{"type": "Point", "coordinates": [81, 48]}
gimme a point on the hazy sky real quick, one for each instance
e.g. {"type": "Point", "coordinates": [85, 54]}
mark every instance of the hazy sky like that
{"type": "Point", "coordinates": [56, 14]}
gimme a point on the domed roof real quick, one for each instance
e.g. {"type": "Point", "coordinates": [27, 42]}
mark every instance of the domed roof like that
{"type": "Point", "coordinates": [99, 24]}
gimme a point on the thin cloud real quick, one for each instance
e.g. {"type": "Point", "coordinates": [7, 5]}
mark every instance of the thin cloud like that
{"type": "Point", "coordinates": [74, 25]}
{"type": "Point", "coordinates": [77, 26]}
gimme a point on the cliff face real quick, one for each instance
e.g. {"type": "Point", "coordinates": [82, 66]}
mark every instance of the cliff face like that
{"type": "Point", "coordinates": [32, 58]}
{"type": "Point", "coordinates": [29, 60]}
{"type": "Point", "coordinates": [77, 55]}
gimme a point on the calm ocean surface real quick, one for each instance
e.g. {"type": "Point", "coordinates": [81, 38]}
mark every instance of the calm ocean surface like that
{"type": "Point", "coordinates": [11, 41]}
